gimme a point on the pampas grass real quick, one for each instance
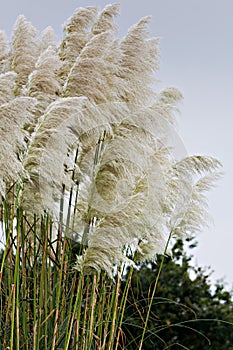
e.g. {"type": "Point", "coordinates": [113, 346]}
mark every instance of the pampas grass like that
{"type": "Point", "coordinates": [89, 180]}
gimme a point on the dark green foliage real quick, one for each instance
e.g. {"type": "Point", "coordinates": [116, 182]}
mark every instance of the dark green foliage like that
{"type": "Point", "coordinates": [187, 313]}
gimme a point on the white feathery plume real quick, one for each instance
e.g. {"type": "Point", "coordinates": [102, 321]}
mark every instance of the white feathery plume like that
{"type": "Point", "coordinates": [166, 103]}
{"type": "Point", "coordinates": [13, 116]}
{"type": "Point", "coordinates": [7, 87]}
{"type": "Point", "coordinates": [124, 204]}
{"type": "Point", "coordinates": [43, 81]}
{"type": "Point", "coordinates": [44, 161]}
{"type": "Point", "coordinates": [183, 206]}
{"type": "Point", "coordinates": [117, 172]}
{"type": "Point", "coordinates": [48, 38]}
{"type": "Point", "coordinates": [124, 224]}
{"type": "Point", "coordinates": [130, 189]}
{"type": "Point", "coordinates": [128, 156]}
{"type": "Point", "coordinates": [154, 236]}
{"type": "Point", "coordinates": [3, 52]}
{"type": "Point", "coordinates": [24, 50]}
{"type": "Point", "coordinates": [105, 20]}
{"type": "Point", "coordinates": [76, 35]}
{"type": "Point", "coordinates": [94, 73]}
{"type": "Point", "coordinates": [194, 215]}
{"type": "Point", "coordinates": [3, 43]}
{"type": "Point", "coordinates": [114, 231]}
{"type": "Point", "coordinates": [186, 182]}
{"type": "Point", "coordinates": [139, 60]}
{"type": "Point", "coordinates": [64, 122]}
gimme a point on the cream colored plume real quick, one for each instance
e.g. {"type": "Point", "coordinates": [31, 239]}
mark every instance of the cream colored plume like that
{"type": "Point", "coordinates": [184, 204]}
{"type": "Point", "coordinates": [166, 103]}
{"type": "Point", "coordinates": [139, 60]}
{"type": "Point", "coordinates": [43, 81]}
{"type": "Point", "coordinates": [90, 142]}
{"type": "Point", "coordinates": [7, 87]}
{"type": "Point", "coordinates": [3, 43]}
{"type": "Point", "coordinates": [24, 50]}
{"type": "Point", "coordinates": [123, 205]}
{"type": "Point", "coordinates": [48, 39]}
{"type": "Point", "coordinates": [94, 74]}
{"type": "Point", "coordinates": [105, 20]}
{"type": "Point", "coordinates": [13, 117]}
{"type": "Point", "coordinates": [3, 52]}
{"type": "Point", "coordinates": [76, 35]}
{"type": "Point", "coordinates": [44, 161]}
{"type": "Point", "coordinates": [65, 122]}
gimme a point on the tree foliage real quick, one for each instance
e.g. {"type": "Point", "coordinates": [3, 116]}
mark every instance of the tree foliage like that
{"type": "Point", "coordinates": [187, 313]}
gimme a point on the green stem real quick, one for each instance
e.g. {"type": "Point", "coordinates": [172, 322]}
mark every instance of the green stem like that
{"type": "Point", "coordinates": [12, 318]}
{"type": "Point", "coordinates": [123, 304]}
{"type": "Point", "coordinates": [93, 299]}
{"type": "Point", "coordinates": [154, 290]}
{"type": "Point", "coordinates": [78, 303]}
{"type": "Point", "coordinates": [115, 298]}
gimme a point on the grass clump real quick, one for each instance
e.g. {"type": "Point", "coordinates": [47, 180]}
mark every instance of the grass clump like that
{"type": "Point", "coordinates": [90, 181]}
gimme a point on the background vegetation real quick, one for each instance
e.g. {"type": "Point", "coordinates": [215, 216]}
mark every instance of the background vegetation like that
{"type": "Point", "coordinates": [188, 311]}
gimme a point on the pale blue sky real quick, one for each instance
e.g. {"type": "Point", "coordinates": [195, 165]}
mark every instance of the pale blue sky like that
{"type": "Point", "coordinates": [196, 57]}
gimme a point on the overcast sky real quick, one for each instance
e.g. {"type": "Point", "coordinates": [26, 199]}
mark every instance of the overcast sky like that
{"type": "Point", "coordinates": [196, 57]}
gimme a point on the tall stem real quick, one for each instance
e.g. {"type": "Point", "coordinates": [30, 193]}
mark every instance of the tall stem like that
{"type": "Point", "coordinates": [154, 290]}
